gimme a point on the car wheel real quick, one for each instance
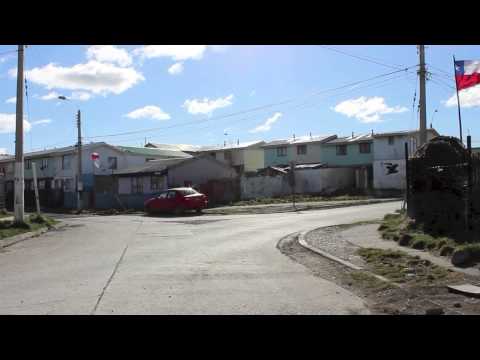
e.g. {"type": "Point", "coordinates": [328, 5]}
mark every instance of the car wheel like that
{"type": "Point", "coordinates": [199, 211]}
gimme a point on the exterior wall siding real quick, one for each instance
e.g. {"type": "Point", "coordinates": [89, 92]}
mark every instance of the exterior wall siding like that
{"type": "Point", "coordinates": [313, 155]}
{"type": "Point", "coordinates": [353, 157]}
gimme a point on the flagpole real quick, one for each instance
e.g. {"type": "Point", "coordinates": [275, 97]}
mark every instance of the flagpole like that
{"type": "Point", "coordinates": [458, 101]}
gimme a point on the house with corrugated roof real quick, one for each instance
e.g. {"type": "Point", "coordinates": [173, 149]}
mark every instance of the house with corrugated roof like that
{"type": "Point", "coordinates": [57, 171]}
{"type": "Point", "coordinates": [131, 187]}
{"type": "Point", "coordinates": [301, 150]}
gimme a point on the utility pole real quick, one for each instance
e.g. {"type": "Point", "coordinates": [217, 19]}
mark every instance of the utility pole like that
{"type": "Point", "coordinates": [79, 162]}
{"type": "Point", "coordinates": [19, 173]}
{"type": "Point", "coordinates": [422, 101]}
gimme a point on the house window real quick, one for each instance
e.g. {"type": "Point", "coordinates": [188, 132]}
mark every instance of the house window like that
{"type": "Point", "coordinates": [68, 185]}
{"type": "Point", "coordinates": [301, 149]}
{"type": "Point", "coordinates": [41, 184]}
{"type": "Point", "coordinates": [28, 185]}
{"type": "Point", "coordinates": [213, 155]}
{"type": "Point", "coordinates": [341, 149]}
{"type": "Point", "coordinates": [112, 162]}
{"type": "Point", "coordinates": [44, 164]}
{"type": "Point", "coordinates": [365, 148]}
{"type": "Point", "coordinates": [66, 162]}
{"type": "Point", "coordinates": [137, 185]}
{"type": "Point", "coordinates": [282, 151]}
{"type": "Point", "coordinates": [391, 140]}
{"type": "Point", "coordinates": [28, 164]}
{"type": "Point", "coordinates": [156, 183]}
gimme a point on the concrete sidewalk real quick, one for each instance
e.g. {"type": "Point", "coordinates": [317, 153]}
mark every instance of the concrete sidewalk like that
{"type": "Point", "coordinates": [343, 242]}
{"type": "Point", "coordinates": [288, 207]}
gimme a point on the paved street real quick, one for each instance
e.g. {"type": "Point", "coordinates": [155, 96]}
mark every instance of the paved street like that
{"type": "Point", "coordinates": [210, 264]}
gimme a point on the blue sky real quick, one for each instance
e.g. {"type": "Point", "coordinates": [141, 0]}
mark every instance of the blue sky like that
{"type": "Point", "coordinates": [184, 91]}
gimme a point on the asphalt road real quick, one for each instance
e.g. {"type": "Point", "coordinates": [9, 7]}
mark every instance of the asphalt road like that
{"type": "Point", "coordinates": [210, 264]}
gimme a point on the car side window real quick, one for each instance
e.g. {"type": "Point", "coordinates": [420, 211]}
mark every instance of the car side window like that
{"type": "Point", "coordinates": [162, 195]}
{"type": "Point", "coordinates": [171, 194]}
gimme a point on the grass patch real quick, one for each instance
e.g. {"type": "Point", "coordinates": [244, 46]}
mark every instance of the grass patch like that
{"type": "Point", "coordinates": [400, 267]}
{"type": "Point", "coordinates": [369, 282]}
{"type": "Point", "coordinates": [34, 222]}
{"type": "Point", "coordinates": [4, 213]}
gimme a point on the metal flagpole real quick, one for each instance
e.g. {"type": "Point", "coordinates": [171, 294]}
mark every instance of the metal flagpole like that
{"type": "Point", "coordinates": [458, 101]}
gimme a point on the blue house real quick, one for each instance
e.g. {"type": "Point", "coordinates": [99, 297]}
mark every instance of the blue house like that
{"type": "Point", "coordinates": [352, 151]}
{"type": "Point", "coordinates": [302, 150]}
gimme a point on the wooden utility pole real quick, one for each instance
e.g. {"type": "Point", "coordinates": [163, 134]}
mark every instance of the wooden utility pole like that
{"type": "Point", "coordinates": [19, 171]}
{"type": "Point", "coordinates": [422, 101]}
{"type": "Point", "coordinates": [79, 163]}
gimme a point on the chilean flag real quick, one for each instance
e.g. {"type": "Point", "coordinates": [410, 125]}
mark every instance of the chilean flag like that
{"type": "Point", "coordinates": [467, 73]}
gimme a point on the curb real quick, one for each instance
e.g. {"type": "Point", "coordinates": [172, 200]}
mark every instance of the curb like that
{"type": "Point", "coordinates": [25, 236]}
{"type": "Point", "coordinates": [303, 243]}
{"type": "Point", "coordinates": [306, 207]}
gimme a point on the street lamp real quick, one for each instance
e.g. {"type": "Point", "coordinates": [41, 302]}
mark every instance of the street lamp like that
{"type": "Point", "coordinates": [79, 160]}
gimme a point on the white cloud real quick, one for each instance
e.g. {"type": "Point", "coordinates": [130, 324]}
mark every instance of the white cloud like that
{"type": "Point", "coordinates": [219, 48]}
{"type": "Point", "coordinates": [206, 106]}
{"type": "Point", "coordinates": [468, 98]}
{"type": "Point", "coordinates": [93, 76]}
{"type": "Point", "coordinates": [52, 95]}
{"type": "Point", "coordinates": [80, 95]}
{"type": "Point", "coordinates": [267, 125]}
{"type": "Point", "coordinates": [109, 54]}
{"type": "Point", "coordinates": [367, 110]}
{"type": "Point", "coordinates": [176, 68]}
{"type": "Point", "coordinates": [252, 93]}
{"type": "Point", "coordinates": [3, 151]}
{"type": "Point", "coordinates": [12, 72]}
{"type": "Point", "coordinates": [149, 112]}
{"type": "Point", "coordinates": [41, 122]}
{"type": "Point", "coordinates": [175, 52]}
{"type": "Point", "coordinates": [12, 100]}
{"type": "Point", "coordinates": [8, 122]}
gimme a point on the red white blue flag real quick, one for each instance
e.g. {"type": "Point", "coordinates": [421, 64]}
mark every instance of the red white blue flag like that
{"type": "Point", "coordinates": [467, 73]}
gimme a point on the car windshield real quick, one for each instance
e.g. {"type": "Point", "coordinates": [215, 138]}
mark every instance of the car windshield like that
{"type": "Point", "coordinates": [187, 192]}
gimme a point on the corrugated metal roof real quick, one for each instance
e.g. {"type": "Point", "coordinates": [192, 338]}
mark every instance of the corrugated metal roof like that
{"type": "Point", "coordinates": [238, 146]}
{"type": "Point", "coordinates": [153, 152]}
{"type": "Point", "coordinates": [300, 140]}
{"type": "Point", "coordinates": [350, 139]}
{"type": "Point", "coordinates": [150, 166]}
{"type": "Point", "coordinates": [404, 132]}
{"type": "Point", "coordinates": [175, 147]}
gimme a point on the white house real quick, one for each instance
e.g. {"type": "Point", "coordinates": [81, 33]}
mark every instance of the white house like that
{"type": "Point", "coordinates": [389, 157]}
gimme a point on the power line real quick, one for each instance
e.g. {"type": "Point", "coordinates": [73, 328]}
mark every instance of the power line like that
{"type": "Point", "coordinates": [364, 58]}
{"type": "Point", "coordinates": [248, 110]}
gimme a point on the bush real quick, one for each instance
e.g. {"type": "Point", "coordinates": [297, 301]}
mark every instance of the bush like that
{"type": "Point", "coordinates": [441, 243]}
{"type": "Point", "coordinates": [419, 244]}
{"type": "Point", "coordinates": [405, 240]}
{"type": "Point", "coordinates": [446, 250]}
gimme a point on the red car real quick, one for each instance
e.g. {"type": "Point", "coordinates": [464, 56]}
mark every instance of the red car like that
{"type": "Point", "coordinates": [177, 201]}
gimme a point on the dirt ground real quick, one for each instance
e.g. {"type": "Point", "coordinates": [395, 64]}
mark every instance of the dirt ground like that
{"type": "Point", "coordinates": [382, 298]}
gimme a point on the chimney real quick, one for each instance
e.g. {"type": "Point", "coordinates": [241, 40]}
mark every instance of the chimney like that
{"type": "Point", "coordinates": [293, 136]}
{"type": "Point", "coordinates": [372, 132]}
{"type": "Point", "coordinates": [352, 134]}
{"type": "Point", "coordinates": [225, 143]}
{"type": "Point", "coordinates": [310, 135]}
{"type": "Point", "coordinates": [238, 142]}
{"type": "Point", "coordinates": [431, 127]}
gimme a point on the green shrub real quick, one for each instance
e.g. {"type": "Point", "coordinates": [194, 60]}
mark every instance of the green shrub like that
{"type": "Point", "coordinates": [419, 244]}
{"type": "Point", "coordinates": [446, 250]}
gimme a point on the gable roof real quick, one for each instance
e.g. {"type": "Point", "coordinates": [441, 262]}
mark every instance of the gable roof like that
{"type": "Point", "coordinates": [405, 133]}
{"type": "Point", "coordinates": [236, 146]}
{"type": "Point", "coordinates": [351, 139]}
{"type": "Point", "coordinates": [146, 151]}
{"type": "Point", "coordinates": [300, 140]}
{"type": "Point", "coordinates": [163, 164]}
{"type": "Point", "coordinates": [174, 147]}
